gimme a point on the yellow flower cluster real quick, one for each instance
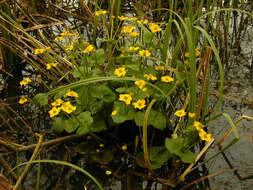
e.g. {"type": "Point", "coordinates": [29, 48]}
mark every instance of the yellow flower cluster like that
{"type": "Point", "coordinates": [134, 34]}
{"type": "Point", "coordinates": [25, 81]}
{"type": "Point", "coordinates": [132, 48]}
{"type": "Point", "coordinates": [133, 19]}
{"type": "Point", "coordinates": [65, 33]}
{"type": "Point", "coordinates": [97, 13]}
{"type": "Point", "coordinates": [40, 51]}
{"type": "Point", "coordinates": [57, 102]}
{"type": "Point", "coordinates": [154, 27]}
{"type": "Point", "coordinates": [142, 21]}
{"type": "Point", "coordinates": [144, 53]}
{"type": "Point", "coordinates": [167, 79]}
{"type": "Point", "coordinates": [68, 33]}
{"type": "Point", "coordinates": [141, 103]}
{"type": "Point", "coordinates": [71, 93]}
{"type": "Point", "coordinates": [197, 53]}
{"type": "Point", "coordinates": [127, 98]}
{"type": "Point", "coordinates": [121, 18]}
{"type": "Point", "coordinates": [127, 29]}
{"type": "Point", "coordinates": [88, 49]}
{"type": "Point", "coordinates": [69, 48]}
{"type": "Point", "coordinates": [120, 72]}
{"type": "Point", "coordinates": [22, 100]}
{"type": "Point", "coordinates": [150, 77]}
{"type": "Point", "coordinates": [159, 68]}
{"type": "Point", "coordinates": [59, 105]}
{"type": "Point", "coordinates": [202, 134]}
{"type": "Point", "coordinates": [50, 65]}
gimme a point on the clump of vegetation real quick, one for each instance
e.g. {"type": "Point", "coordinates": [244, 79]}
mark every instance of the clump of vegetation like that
{"type": "Point", "coordinates": [135, 85]}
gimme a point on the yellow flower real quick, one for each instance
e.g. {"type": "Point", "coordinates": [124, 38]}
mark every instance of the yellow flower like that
{"type": "Point", "coordinates": [124, 147]}
{"type": "Point", "coordinates": [197, 52]}
{"type": "Point", "coordinates": [88, 49]}
{"type": "Point", "coordinates": [180, 113]}
{"type": "Point", "coordinates": [101, 145]}
{"type": "Point", "coordinates": [108, 172]}
{"type": "Point", "coordinates": [198, 125]}
{"type": "Point", "coordinates": [127, 29]}
{"type": "Point", "coordinates": [65, 33]}
{"type": "Point", "coordinates": [67, 107]}
{"type": "Point", "coordinates": [132, 48]}
{"type": "Point", "coordinates": [69, 48]}
{"type": "Point", "coordinates": [187, 62]}
{"type": "Point", "coordinates": [133, 19]}
{"type": "Point", "coordinates": [22, 100]}
{"type": "Point", "coordinates": [167, 79]}
{"type": "Point", "coordinates": [150, 77]}
{"type": "Point", "coordinates": [154, 27]}
{"type": "Point", "coordinates": [139, 104]}
{"type": "Point", "coordinates": [127, 98]}
{"type": "Point", "coordinates": [146, 76]}
{"type": "Point", "coordinates": [191, 115]}
{"type": "Point", "coordinates": [140, 83]}
{"type": "Point", "coordinates": [144, 89]}
{"type": "Point", "coordinates": [50, 65]}
{"type": "Point", "coordinates": [144, 53]}
{"type": "Point", "coordinates": [97, 13]}
{"type": "Point", "coordinates": [54, 64]}
{"type": "Point", "coordinates": [159, 68]}
{"type": "Point", "coordinates": [40, 51]}
{"type": "Point", "coordinates": [58, 38]}
{"type": "Point", "coordinates": [121, 18]}
{"type": "Point", "coordinates": [142, 21]}
{"type": "Point", "coordinates": [25, 81]}
{"type": "Point", "coordinates": [54, 111]}
{"type": "Point", "coordinates": [57, 102]}
{"type": "Point", "coordinates": [114, 112]}
{"type": "Point", "coordinates": [120, 72]}
{"type": "Point", "coordinates": [134, 34]}
{"type": "Point", "coordinates": [71, 93]}
{"type": "Point", "coordinates": [205, 136]}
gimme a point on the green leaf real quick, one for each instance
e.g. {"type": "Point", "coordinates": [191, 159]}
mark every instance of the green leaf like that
{"type": "Point", "coordinates": [133, 66]}
{"type": "Point", "coordinates": [41, 99]}
{"type": "Point", "coordinates": [98, 124]}
{"type": "Point", "coordinates": [155, 119]}
{"type": "Point", "coordinates": [139, 116]}
{"type": "Point", "coordinates": [71, 125]}
{"type": "Point", "coordinates": [85, 118]}
{"type": "Point", "coordinates": [174, 145]}
{"type": "Point", "coordinates": [165, 87]}
{"type": "Point", "coordinates": [60, 94]}
{"type": "Point", "coordinates": [58, 125]}
{"type": "Point", "coordinates": [83, 130]}
{"type": "Point", "coordinates": [95, 106]}
{"type": "Point", "coordinates": [124, 112]}
{"type": "Point", "coordinates": [159, 154]}
{"type": "Point", "coordinates": [187, 156]}
{"type": "Point", "coordinates": [103, 157]}
{"type": "Point", "coordinates": [102, 92]}
{"type": "Point", "coordinates": [78, 73]}
{"type": "Point", "coordinates": [86, 148]}
{"type": "Point", "coordinates": [98, 57]}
